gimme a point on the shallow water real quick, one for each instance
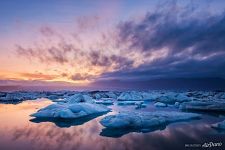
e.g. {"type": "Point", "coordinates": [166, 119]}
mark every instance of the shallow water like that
{"type": "Point", "coordinates": [17, 132]}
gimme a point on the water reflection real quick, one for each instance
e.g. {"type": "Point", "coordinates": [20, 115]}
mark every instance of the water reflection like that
{"type": "Point", "coordinates": [17, 132]}
{"type": "Point", "coordinates": [66, 123]}
{"type": "Point", "coordinates": [108, 132]}
{"type": "Point", "coordinates": [48, 136]}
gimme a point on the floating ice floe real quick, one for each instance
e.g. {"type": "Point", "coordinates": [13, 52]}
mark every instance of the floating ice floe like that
{"type": "Point", "coordinates": [207, 95]}
{"type": "Point", "coordinates": [104, 94]}
{"type": "Point", "coordinates": [150, 96]}
{"type": "Point", "coordinates": [177, 104]}
{"type": "Point", "coordinates": [173, 97]}
{"type": "Point", "coordinates": [130, 102]}
{"type": "Point", "coordinates": [140, 105]}
{"type": "Point", "coordinates": [111, 94]}
{"type": "Point", "coordinates": [53, 97]}
{"type": "Point", "coordinates": [59, 100]}
{"type": "Point", "coordinates": [219, 125]}
{"type": "Point", "coordinates": [58, 95]}
{"type": "Point", "coordinates": [105, 101]}
{"type": "Point", "coordinates": [97, 95]}
{"type": "Point", "coordinates": [70, 111]}
{"type": "Point", "coordinates": [19, 96]}
{"type": "Point", "coordinates": [222, 96]}
{"type": "Point", "coordinates": [159, 104]}
{"type": "Point", "coordinates": [145, 120]}
{"type": "Point", "coordinates": [130, 96]}
{"type": "Point", "coordinates": [203, 106]}
{"type": "Point", "coordinates": [77, 98]}
{"type": "Point", "coordinates": [182, 97]}
{"type": "Point", "coordinates": [2, 94]}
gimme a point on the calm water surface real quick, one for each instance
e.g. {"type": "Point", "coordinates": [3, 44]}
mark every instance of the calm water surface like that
{"type": "Point", "coordinates": [17, 132]}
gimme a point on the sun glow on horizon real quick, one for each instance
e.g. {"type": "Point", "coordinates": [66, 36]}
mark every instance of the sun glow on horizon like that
{"type": "Point", "coordinates": [85, 42]}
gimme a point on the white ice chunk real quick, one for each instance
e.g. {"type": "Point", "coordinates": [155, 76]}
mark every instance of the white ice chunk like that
{"type": "Point", "coordinates": [203, 106]}
{"type": "Point", "coordinates": [69, 111]}
{"type": "Point", "coordinates": [111, 94]}
{"type": "Point", "coordinates": [172, 97]}
{"type": "Point", "coordinates": [151, 95]}
{"type": "Point", "coordinates": [159, 104]}
{"type": "Point", "coordinates": [105, 101]}
{"type": "Point", "coordinates": [140, 105]}
{"type": "Point", "coordinates": [144, 120]}
{"type": "Point", "coordinates": [177, 104]}
{"type": "Point", "coordinates": [130, 96]}
{"type": "Point", "coordinates": [130, 102]}
{"type": "Point", "coordinates": [220, 125]}
{"type": "Point", "coordinates": [19, 96]}
{"type": "Point", "coordinates": [77, 98]}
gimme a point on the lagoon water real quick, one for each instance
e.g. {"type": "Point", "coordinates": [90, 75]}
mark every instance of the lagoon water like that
{"type": "Point", "coordinates": [19, 132]}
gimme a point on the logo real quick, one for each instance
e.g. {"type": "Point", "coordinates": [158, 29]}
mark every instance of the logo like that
{"type": "Point", "coordinates": [212, 144]}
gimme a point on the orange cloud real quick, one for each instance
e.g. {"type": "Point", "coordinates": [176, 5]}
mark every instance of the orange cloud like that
{"type": "Point", "coordinates": [38, 76]}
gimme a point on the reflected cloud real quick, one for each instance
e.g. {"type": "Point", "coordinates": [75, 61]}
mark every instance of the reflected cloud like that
{"type": "Point", "coordinates": [115, 133]}
{"type": "Point", "coordinates": [49, 136]}
{"type": "Point", "coordinates": [66, 123]}
{"type": "Point", "coordinates": [20, 133]}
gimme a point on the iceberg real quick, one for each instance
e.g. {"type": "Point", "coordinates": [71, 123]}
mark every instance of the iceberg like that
{"type": "Point", "coordinates": [97, 96]}
{"type": "Point", "coordinates": [207, 95]}
{"type": "Point", "coordinates": [104, 94]}
{"type": "Point", "coordinates": [159, 104]}
{"type": "Point", "coordinates": [220, 125]}
{"type": "Point", "coordinates": [130, 102]}
{"type": "Point", "coordinates": [111, 94]}
{"type": "Point", "coordinates": [130, 96]}
{"type": "Point", "coordinates": [172, 98]}
{"type": "Point", "coordinates": [70, 111]}
{"type": "Point", "coordinates": [151, 96]}
{"type": "Point", "coordinates": [140, 105]}
{"type": "Point", "coordinates": [19, 96]}
{"type": "Point", "coordinates": [105, 101]}
{"type": "Point", "coordinates": [209, 106]}
{"type": "Point", "coordinates": [165, 100]}
{"type": "Point", "coordinates": [223, 96]}
{"type": "Point", "coordinates": [182, 97]}
{"type": "Point", "coordinates": [55, 95]}
{"type": "Point", "coordinates": [145, 120]}
{"type": "Point", "coordinates": [77, 98]}
{"type": "Point", "coordinates": [177, 104]}
{"type": "Point", "coordinates": [2, 94]}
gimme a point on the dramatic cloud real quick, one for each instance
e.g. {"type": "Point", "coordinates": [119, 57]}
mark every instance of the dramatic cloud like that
{"type": "Point", "coordinates": [177, 31]}
{"type": "Point", "coordinates": [97, 59]}
{"type": "Point", "coordinates": [79, 76]}
{"type": "Point", "coordinates": [52, 54]}
{"type": "Point", "coordinates": [85, 62]}
{"type": "Point", "coordinates": [193, 43]}
{"type": "Point", "coordinates": [172, 42]}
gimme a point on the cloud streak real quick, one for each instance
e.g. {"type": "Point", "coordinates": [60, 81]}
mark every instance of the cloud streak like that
{"type": "Point", "coordinates": [193, 44]}
{"type": "Point", "coordinates": [38, 76]}
{"type": "Point", "coordinates": [171, 42]}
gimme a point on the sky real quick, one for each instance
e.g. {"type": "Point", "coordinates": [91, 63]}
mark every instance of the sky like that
{"type": "Point", "coordinates": [110, 44]}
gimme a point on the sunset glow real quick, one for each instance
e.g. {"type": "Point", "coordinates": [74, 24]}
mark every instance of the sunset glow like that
{"type": "Point", "coordinates": [86, 42]}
